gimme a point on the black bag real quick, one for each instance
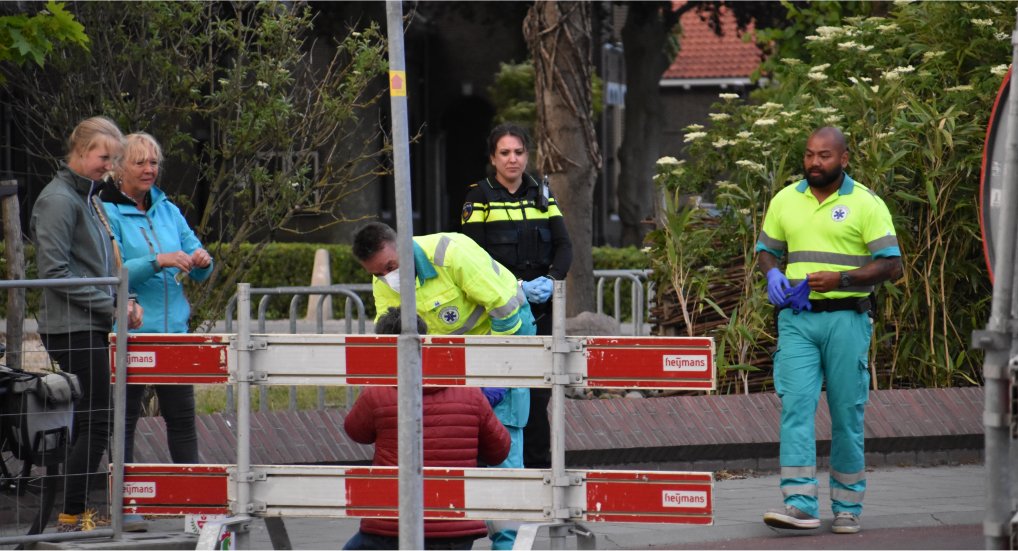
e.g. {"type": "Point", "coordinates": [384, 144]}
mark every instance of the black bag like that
{"type": "Point", "coordinates": [36, 414]}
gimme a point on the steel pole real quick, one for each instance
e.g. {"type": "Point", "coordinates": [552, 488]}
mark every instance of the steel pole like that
{"type": "Point", "coordinates": [411, 449]}
{"type": "Point", "coordinates": [560, 350]}
{"type": "Point", "coordinates": [242, 507]}
{"type": "Point", "coordinates": [998, 340]}
{"type": "Point", "coordinates": [119, 410]}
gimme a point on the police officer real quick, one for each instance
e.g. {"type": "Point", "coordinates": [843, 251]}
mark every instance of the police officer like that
{"type": "Point", "coordinates": [516, 219]}
{"type": "Point", "coordinates": [840, 243]}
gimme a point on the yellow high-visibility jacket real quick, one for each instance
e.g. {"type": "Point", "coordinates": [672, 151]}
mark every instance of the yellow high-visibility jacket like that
{"type": "Point", "coordinates": [461, 290]}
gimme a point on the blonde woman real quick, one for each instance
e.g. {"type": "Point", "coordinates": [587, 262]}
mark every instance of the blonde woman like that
{"type": "Point", "coordinates": [159, 250]}
{"type": "Point", "coordinates": [72, 240]}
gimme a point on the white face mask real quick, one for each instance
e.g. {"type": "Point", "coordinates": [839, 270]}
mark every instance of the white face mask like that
{"type": "Point", "coordinates": [392, 278]}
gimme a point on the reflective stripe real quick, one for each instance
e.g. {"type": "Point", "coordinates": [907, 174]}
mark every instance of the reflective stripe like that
{"type": "Point", "coordinates": [848, 478]}
{"type": "Point", "coordinates": [799, 490]}
{"type": "Point", "coordinates": [882, 243]}
{"type": "Point", "coordinates": [443, 244]}
{"type": "Point", "coordinates": [841, 494]}
{"type": "Point", "coordinates": [821, 257]}
{"type": "Point", "coordinates": [471, 322]}
{"type": "Point", "coordinates": [494, 266]}
{"type": "Point", "coordinates": [772, 243]}
{"type": "Point", "coordinates": [809, 471]}
{"type": "Point", "coordinates": [509, 307]}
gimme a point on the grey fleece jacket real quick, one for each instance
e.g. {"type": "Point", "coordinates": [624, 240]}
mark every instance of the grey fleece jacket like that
{"type": "Point", "coordinates": [70, 241]}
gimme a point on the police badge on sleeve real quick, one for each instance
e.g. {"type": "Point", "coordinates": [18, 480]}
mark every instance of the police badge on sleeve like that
{"type": "Point", "coordinates": [468, 209]}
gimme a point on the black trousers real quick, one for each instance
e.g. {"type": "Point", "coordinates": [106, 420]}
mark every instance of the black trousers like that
{"type": "Point", "coordinates": [537, 433]}
{"type": "Point", "coordinates": [176, 405]}
{"type": "Point", "coordinates": [85, 354]}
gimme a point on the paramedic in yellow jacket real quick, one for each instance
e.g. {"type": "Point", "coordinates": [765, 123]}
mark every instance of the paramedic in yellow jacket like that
{"type": "Point", "coordinates": [461, 290]}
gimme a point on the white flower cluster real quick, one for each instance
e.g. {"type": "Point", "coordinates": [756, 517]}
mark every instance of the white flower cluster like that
{"type": "Point", "coordinates": [860, 79]}
{"type": "Point", "coordinates": [693, 136]}
{"type": "Point", "coordinates": [791, 61]}
{"type": "Point", "coordinates": [725, 184]}
{"type": "Point", "coordinates": [728, 96]}
{"type": "Point", "coordinates": [719, 116]}
{"type": "Point", "coordinates": [999, 70]}
{"type": "Point", "coordinates": [751, 165]}
{"type": "Point", "coordinates": [768, 106]}
{"type": "Point", "coordinates": [745, 135]}
{"type": "Point", "coordinates": [765, 122]}
{"type": "Point", "coordinates": [694, 127]}
{"type": "Point", "coordinates": [959, 88]}
{"type": "Point", "coordinates": [826, 110]}
{"type": "Point", "coordinates": [827, 33]}
{"type": "Point", "coordinates": [932, 55]}
{"type": "Point", "coordinates": [895, 74]}
{"type": "Point", "coordinates": [853, 45]}
{"type": "Point", "coordinates": [668, 161]}
{"type": "Point", "coordinates": [723, 142]}
{"type": "Point", "coordinates": [263, 85]}
{"type": "Point", "coordinates": [888, 28]}
{"type": "Point", "coordinates": [982, 22]}
{"type": "Point", "coordinates": [817, 72]}
{"type": "Point", "coordinates": [1002, 36]}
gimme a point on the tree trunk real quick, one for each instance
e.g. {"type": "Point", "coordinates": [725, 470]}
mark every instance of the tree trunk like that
{"type": "Point", "coordinates": [644, 39]}
{"type": "Point", "coordinates": [558, 36]}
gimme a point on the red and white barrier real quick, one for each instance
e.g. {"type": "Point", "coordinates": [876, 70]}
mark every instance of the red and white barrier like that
{"type": "Point", "coordinates": [685, 363]}
{"type": "Point", "coordinates": [495, 494]}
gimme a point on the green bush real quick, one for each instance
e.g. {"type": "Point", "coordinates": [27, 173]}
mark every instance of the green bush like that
{"type": "Point", "coordinates": [913, 92]}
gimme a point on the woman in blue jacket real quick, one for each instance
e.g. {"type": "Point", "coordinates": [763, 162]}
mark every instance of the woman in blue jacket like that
{"type": "Point", "coordinates": [159, 250]}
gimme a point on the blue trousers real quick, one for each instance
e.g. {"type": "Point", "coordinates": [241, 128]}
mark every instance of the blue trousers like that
{"type": "Point", "coordinates": [813, 349]}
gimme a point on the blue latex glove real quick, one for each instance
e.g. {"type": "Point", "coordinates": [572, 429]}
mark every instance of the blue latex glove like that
{"type": "Point", "coordinates": [798, 299]}
{"type": "Point", "coordinates": [494, 394]}
{"type": "Point", "coordinates": [777, 288]}
{"type": "Point", "coordinates": [538, 290]}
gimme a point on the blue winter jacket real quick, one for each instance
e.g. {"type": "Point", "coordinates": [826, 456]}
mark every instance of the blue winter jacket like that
{"type": "Point", "coordinates": [143, 235]}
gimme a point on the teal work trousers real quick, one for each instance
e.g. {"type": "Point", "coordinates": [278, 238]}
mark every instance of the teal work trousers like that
{"type": "Point", "coordinates": [814, 349]}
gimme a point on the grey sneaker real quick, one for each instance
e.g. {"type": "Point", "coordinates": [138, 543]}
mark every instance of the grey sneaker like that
{"type": "Point", "coordinates": [845, 523]}
{"type": "Point", "coordinates": [790, 518]}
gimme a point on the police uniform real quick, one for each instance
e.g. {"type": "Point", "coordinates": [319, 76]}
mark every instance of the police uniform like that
{"type": "Point", "coordinates": [526, 233]}
{"type": "Point", "coordinates": [850, 229]}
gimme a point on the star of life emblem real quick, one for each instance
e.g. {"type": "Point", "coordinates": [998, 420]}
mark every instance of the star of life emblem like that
{"type": "Point", "coordinates": [839, 213]}
{"type": "Point", "coordinates": [449, 314]}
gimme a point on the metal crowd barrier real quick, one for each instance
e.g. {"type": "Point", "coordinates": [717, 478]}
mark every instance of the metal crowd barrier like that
{"type": "Point", "coordinates": [641, 295]}
{"type": "Point", "coordinates": [115, 451]}
{"type": "Point", "coordinates": [351, 302]}
{"type": "Point", "coordinates": [555, 499]}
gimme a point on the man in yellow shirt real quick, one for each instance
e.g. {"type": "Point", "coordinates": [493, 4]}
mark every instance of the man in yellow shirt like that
{"type": "Point", "coordinates": [840, 243]}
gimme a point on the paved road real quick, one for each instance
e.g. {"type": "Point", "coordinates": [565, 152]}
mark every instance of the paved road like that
{"type": "Point", "coordinates": [906, 508]}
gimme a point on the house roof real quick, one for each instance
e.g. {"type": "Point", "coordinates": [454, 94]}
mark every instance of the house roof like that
{"type": "Point", "coordinates": [705, 55]}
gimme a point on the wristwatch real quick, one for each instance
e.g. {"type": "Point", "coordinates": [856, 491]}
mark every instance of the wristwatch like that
{"type": "Point", "coordinates": [844, 281]}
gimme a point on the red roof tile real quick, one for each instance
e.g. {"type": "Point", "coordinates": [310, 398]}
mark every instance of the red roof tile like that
{"type": "Point", "coordinates": [704, 54]}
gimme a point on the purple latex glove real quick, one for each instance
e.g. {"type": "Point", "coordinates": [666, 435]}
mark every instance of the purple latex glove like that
{"type": "Point", "coordinates": [494, 394]}
{"type": "Point", "coordinates": [798, 299]}
{"type": "Point", "coordinates": [777, 288]}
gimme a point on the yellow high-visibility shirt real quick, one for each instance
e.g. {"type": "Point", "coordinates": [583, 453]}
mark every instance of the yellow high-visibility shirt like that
{"type": "Point", "coordinates": [461, 290]}
{"type": "Point", "coordinates": [847, 231]}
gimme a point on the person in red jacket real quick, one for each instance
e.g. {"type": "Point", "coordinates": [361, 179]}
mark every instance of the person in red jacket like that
{"type": "Point", "coordinates": [459, 428]}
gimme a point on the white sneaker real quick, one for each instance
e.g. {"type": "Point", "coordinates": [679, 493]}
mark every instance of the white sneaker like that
{"type": "Point", "coordinates": [790, 518]}
{"type": "Point", "coordinates": [845, 523]}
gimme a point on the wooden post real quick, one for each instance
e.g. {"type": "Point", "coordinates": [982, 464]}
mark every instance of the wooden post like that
{"type": "Point", "coordinates": [15, 252]}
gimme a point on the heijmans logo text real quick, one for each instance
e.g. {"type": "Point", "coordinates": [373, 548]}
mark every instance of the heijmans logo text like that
{"type": "Point", "coordinates": [684, 362]}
